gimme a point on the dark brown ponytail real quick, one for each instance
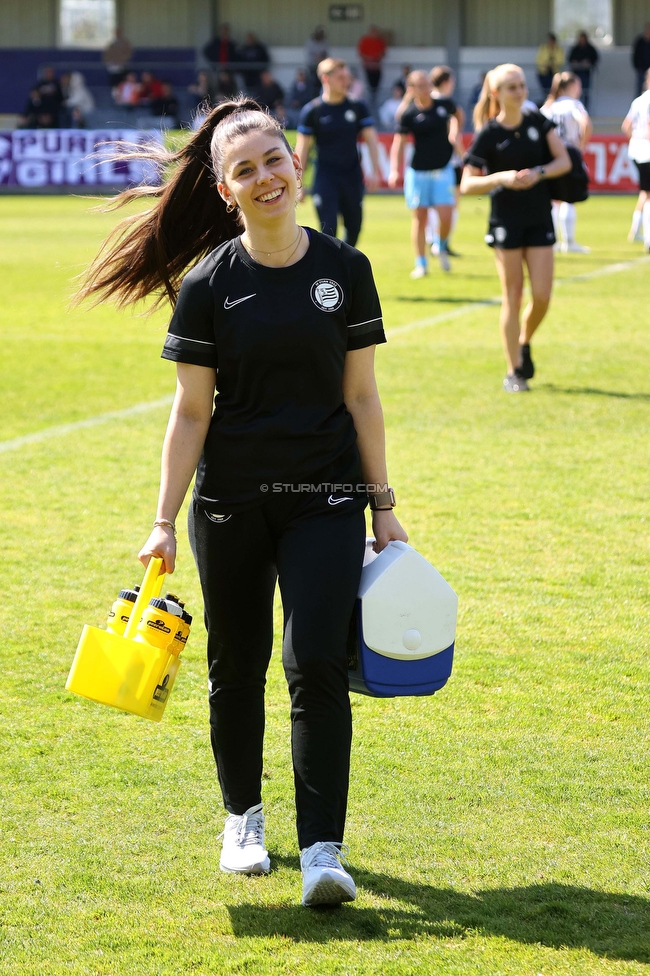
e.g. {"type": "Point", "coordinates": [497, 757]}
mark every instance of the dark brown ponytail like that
{"type": "Point", "coordinates": [148, 252]}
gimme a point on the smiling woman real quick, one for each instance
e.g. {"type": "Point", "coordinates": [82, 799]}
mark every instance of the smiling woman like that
{"type": "Point", "coordinates": [283, 322]}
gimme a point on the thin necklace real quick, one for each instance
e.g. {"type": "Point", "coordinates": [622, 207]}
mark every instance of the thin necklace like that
{"type": "Point", "coordinates": [269, 253]}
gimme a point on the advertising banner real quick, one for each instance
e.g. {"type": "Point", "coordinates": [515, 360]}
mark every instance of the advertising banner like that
{"type": "Point", "coordinates": [74, 159]}
{"type": "Point", "coordinates": [610, 168]}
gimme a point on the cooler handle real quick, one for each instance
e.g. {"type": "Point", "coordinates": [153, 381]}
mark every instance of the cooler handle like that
{"type": "Point", "coordinates": [150, 587]}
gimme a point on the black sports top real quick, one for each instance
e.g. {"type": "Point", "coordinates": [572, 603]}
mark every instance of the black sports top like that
{"type": "Point", "coordinates": [497, 148]}
{"type": "Point", "coordinates": [278, 339]}
{"type": "Point", "coordinates": [335, 129]}
{"type": "Point", "coordinates": [430, 130]}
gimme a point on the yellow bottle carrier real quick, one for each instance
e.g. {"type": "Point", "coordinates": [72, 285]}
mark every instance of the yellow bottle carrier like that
{"type": "Point", "coordinates": [134, 671]}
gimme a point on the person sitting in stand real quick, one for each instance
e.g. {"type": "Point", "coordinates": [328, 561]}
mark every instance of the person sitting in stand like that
{"type": "Point", "coordinates": [79, 100]}
{"type": "Point", "coordinates": [127, 93]}
{"type": "Point", "coordinates": [389, 108]}
{"type": "Point", "coordinates": [166, 106]}
{"type": "Point", "coordinates": [200, 91]}
{"type": "Point", "coordinates": [150, 88]}
{"type": "Point", "coordinates": [299, 95]}
{"type": "Point", "coordinates": [32, 111]}
{"type": "Point", "coordinates": [270, 94]}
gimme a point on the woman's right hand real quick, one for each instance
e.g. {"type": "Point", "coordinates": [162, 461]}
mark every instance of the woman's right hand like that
{"type": "Point", "coordinates": [393, 179]}
{"type": "Point", "coordinates": [162, 544]}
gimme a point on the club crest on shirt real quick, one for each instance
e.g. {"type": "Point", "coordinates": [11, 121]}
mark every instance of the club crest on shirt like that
{"type": "Point", "coordinates": [532, 134]}
{"type": "Point", "coordinates": [327, 294]}
{"type": "Point", "coordinates": [350, 116]}
{"type": "Point", "coordinates": [441, 110]}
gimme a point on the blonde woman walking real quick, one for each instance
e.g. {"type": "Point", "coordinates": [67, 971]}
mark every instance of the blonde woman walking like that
{"type": "Point", "coordinates": [507, 160]}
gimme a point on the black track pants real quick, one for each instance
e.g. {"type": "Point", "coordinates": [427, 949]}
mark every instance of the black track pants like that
{"type": "Point", "coordinates": [339, 193]}
{"type": "Point", "coordinates": [314, 545]}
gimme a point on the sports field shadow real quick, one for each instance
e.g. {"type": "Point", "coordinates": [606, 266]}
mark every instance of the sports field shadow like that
{"type": "Point", "coordinates": [609, 924]}
{"type": "Point", "coordinates": [588, 391]}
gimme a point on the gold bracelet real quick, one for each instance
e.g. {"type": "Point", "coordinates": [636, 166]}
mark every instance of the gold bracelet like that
{"type": "Point", "coordinates": [166, 522]}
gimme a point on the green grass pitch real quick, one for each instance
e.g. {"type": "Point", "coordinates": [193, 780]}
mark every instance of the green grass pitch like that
{"type": "Point", "coordinates": [499, 827]}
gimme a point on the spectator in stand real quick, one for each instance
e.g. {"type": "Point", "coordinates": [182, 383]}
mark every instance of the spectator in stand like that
{"type": "Point", "coordinates": [583, 58]}
{"type": "Point", "coordinates": [127, 93]}
{"type": "Point", "coordinates": [166, 106]}
{"type": "Point", "coordinates": [253, 53]}
{"type": "Point", "coordinates": [222, 52]}
{"type": "Point", "coordinates": [79, 100]}
{"type": "Point", "coordinates": [225, 87]}
{"type": "Point", "coordinates": [389, 108]}
{"type": "Point", "coordinates": [299, 95]}
{"type": "Point", "coordinates": [51, 96]}
{"type": "Point", "coordinates": [315, 52]}
{"type": "Point", "coordinates": [372, 51]}
{"type": "Point", "coordinates": [549, 60]}
{"type": "Point", "coordinates": [270, 95]}
{"type": "Point", "coordinates": [402, 81]}
{"type": "Point", "coordinates": [31, 112]}
{"type": "Point", "coordinates": [200, 90]}
{"type": "Point", "coordinates": [116, 57]}
{"type": "Point", "coordinates": [641, 57]}
{"type": "Point", "coordinates": [151, 89]}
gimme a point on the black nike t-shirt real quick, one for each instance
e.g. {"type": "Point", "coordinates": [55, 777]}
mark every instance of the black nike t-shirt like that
{"type": "Point", "coordinates": [335, 129]}
{"type": "Point", "coordinates": [430, 130]}
{"type": "Point", "coordinates": [277, 338]}
{"type": "Point", "coordinates": [497, 148]}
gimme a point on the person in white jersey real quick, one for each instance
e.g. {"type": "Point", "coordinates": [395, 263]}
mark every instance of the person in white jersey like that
{"type": "Point", "coordinates": [636, 126]}
{"type": "Point", "coordinates": [573, 125]}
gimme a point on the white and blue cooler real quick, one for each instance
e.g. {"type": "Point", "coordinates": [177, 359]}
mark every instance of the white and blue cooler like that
{"type": "Point", "coordinates": [403, 629]}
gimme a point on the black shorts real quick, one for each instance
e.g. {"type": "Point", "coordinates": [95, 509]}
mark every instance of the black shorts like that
{"type": "Point", "coordinates": [644, 176]}
{"type": "Point", "coordinates": [512, 234]}
{"type": "Point", "coordinates": [458, 170]}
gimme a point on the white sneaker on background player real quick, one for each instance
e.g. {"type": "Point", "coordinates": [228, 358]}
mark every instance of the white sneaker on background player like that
{"type": "Point", "coordinates": [243, 850]}
{"type": "Point", "coordinates": [324, 880]}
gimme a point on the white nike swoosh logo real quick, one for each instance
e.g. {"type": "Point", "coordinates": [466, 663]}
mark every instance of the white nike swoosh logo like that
{"type": "Point", "coordinates": [502, 145]}
{"type": "Point", "coordinates": [337, 501]}
{"type": "Point", "coordinates": [229, 304]}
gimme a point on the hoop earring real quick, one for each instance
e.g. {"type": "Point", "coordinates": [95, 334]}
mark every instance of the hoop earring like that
{"type": "Point", "coordinates": [299, 182]}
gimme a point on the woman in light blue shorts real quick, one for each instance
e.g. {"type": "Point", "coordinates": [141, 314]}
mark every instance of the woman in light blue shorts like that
{"type": "Point", "coordinates": [429, 180]}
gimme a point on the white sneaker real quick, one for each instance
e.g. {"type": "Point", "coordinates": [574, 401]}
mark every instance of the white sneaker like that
{"type": "Point", "coordinates": [443, 258]}
{"type": "Point", "coordinates": [574, 248]}
{"type": "Point", "coordinates": [243, 850]}
{"type": "Point", "coordinates": [324, 880]}
{"type": "Point", "coordinates": [435, 249]}
{"type": "Point", "coordinates": [419, 271]}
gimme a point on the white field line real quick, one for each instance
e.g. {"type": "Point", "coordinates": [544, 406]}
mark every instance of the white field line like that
{"type": "Point", "coordinates": [607, 269]}
{"type": "Point", "coordinates": [103, 418]}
